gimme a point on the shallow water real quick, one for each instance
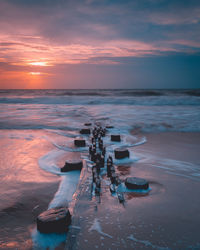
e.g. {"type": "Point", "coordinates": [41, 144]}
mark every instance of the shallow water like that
{"type": "Point", "coordinates": [37, 130]}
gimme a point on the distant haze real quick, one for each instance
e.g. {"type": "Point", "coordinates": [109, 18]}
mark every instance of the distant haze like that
{"type": "Point", "coordinates": [99, 44]}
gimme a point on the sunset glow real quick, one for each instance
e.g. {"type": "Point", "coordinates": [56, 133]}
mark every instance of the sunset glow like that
{"type": "Point", "coordinates": [35, 73]}
{"type": "Point", "coordinates": [99, 124]}
{"type": "Point", "coordinates": [38, 63]}
{"type": "Point", "coordinates": [91, 43]}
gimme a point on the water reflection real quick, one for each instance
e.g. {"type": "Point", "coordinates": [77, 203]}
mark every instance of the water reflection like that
{"type": "Point", "coordinates": [124, 170]}
{"type": "Point", "coordinates": [131, 195]}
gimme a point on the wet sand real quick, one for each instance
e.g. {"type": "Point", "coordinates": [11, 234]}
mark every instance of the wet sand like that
{"type": "Point", "coordinates": [166, 218]}
{"type": "Point", "coordinates": [18, 220]}
{"type": "Point", "coordinates": [26, 190]}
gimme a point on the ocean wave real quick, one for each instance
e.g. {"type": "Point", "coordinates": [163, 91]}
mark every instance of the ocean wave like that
{"type": "Point", "coordinates": [96, 92]}
{"type": "Point", "coordinates": [159, 113]}
{"type": "Point", "coordinates": [47, 96]}
{"type": "Point", "coordinates": [142, 93]}
{"type": "Point", "coordinates": [192, 92]}
{"type": "Point", "coordinates": [140, 100]}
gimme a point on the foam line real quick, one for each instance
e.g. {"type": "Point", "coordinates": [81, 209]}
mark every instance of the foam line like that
{"type": "Point", "coordinates": [66, 189]}
{"type": "Point", "coordinates": [66, 148]}
{"type": "Point", "coordinates": [47, 162]}
{"type": "Point", "coordinates": [71, 134]}
{"type": "Point", "coordinates": [79, 149]}
{"type": "Point", "coordinates": [97, 227]}
{"type": "Point", "coordinates": [126, 139]}
{"type": "Point", "coordinates": [146, 243]}
{"type": "Point", "coordinates": [171, 166]}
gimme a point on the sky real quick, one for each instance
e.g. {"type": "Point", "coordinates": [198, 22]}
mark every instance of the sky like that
{"type": "Point", "coordinates": [99, 44]}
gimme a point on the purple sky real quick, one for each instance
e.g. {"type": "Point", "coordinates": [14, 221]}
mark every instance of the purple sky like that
{"type": "Point", "coordinates": [99, 44]}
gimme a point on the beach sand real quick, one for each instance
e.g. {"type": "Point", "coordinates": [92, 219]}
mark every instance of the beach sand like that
{"type": "Point", "coordinates": [26, 190]}
{"type": "Point", "coordinates": [166, 218]}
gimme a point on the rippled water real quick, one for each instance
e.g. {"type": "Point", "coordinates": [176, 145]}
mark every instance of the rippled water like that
{"type": "Point", "coordinates": [149, 111]}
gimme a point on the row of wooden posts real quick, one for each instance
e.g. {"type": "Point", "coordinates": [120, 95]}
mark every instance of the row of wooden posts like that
{"type": "Point", "coordinates": [57, 220]}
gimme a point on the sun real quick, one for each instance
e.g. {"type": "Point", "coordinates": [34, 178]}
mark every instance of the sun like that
{"type": "Point", "coordinates": [35, 73]}
{"type": "Point", "coordinates": [38, 63]}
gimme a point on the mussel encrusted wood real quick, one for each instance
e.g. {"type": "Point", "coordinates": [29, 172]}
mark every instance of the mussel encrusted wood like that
{"type": "Point", "coordinates": [55, 220]}
{"type": "Point", "coordinates": [136, 183]}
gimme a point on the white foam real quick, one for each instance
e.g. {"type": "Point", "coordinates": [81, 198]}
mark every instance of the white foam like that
{"type": "Point", "coordinates": [196, 174]}
{"type": "Point", "coordinates": [181, 175]}
{"type": "Point", "coordinates": [142, 141]}
{"type": "Point", "coordinates": [68, 149]}
{"type": "Point", "coordinates": [62, 197]}
{"type": "Point", "coordinates": [47, 162]}
{"type": "Point", "coordinates": [180, 112]}
{"type": "Point", "coordinates": [171, 166]}
{"type": "Point", "coordinates": [66, 189]}
{"type": "Point", "coordinates": [97, 227]}
{"type": "Point", "coordinates": [70, 134]}
{"type": "Point", "coordinates": [126, 141]}
{"type": "Point", "coordinates": [146, 243]}
{"type": "Point", "coordinates": [47, 241]}
{"type": "Point", "coordinates": [69, 180]}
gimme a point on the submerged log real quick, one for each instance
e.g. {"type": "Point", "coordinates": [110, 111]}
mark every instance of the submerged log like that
{"type": "Point", "coordinates": [72, 165]}
{"type": "Point", "coordinates": [136, 183]}
{"type": "Point", "coordinates": [55, 220]}
{"type": "Point", "coordinates": [121, 153]}
{"type": "Point", "coordinates": [115, 138]}
{"type": "Point", "coordinates": [79, 142]}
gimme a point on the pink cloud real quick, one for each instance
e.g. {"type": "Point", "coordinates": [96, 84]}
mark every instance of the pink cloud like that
{"type": "Point", "coordinates": [19, 52]}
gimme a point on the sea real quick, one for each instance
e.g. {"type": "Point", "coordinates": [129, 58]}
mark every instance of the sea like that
{"type": "Point", "coordinates": [145, 110]}
{"type": "Point", "coordinates": [37, 129]}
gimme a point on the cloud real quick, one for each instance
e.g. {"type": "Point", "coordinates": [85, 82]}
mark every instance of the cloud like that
{"type": "Point", "coordinates": [94, 32]}
{"type": "Point", "coordinates": [26, 53]}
